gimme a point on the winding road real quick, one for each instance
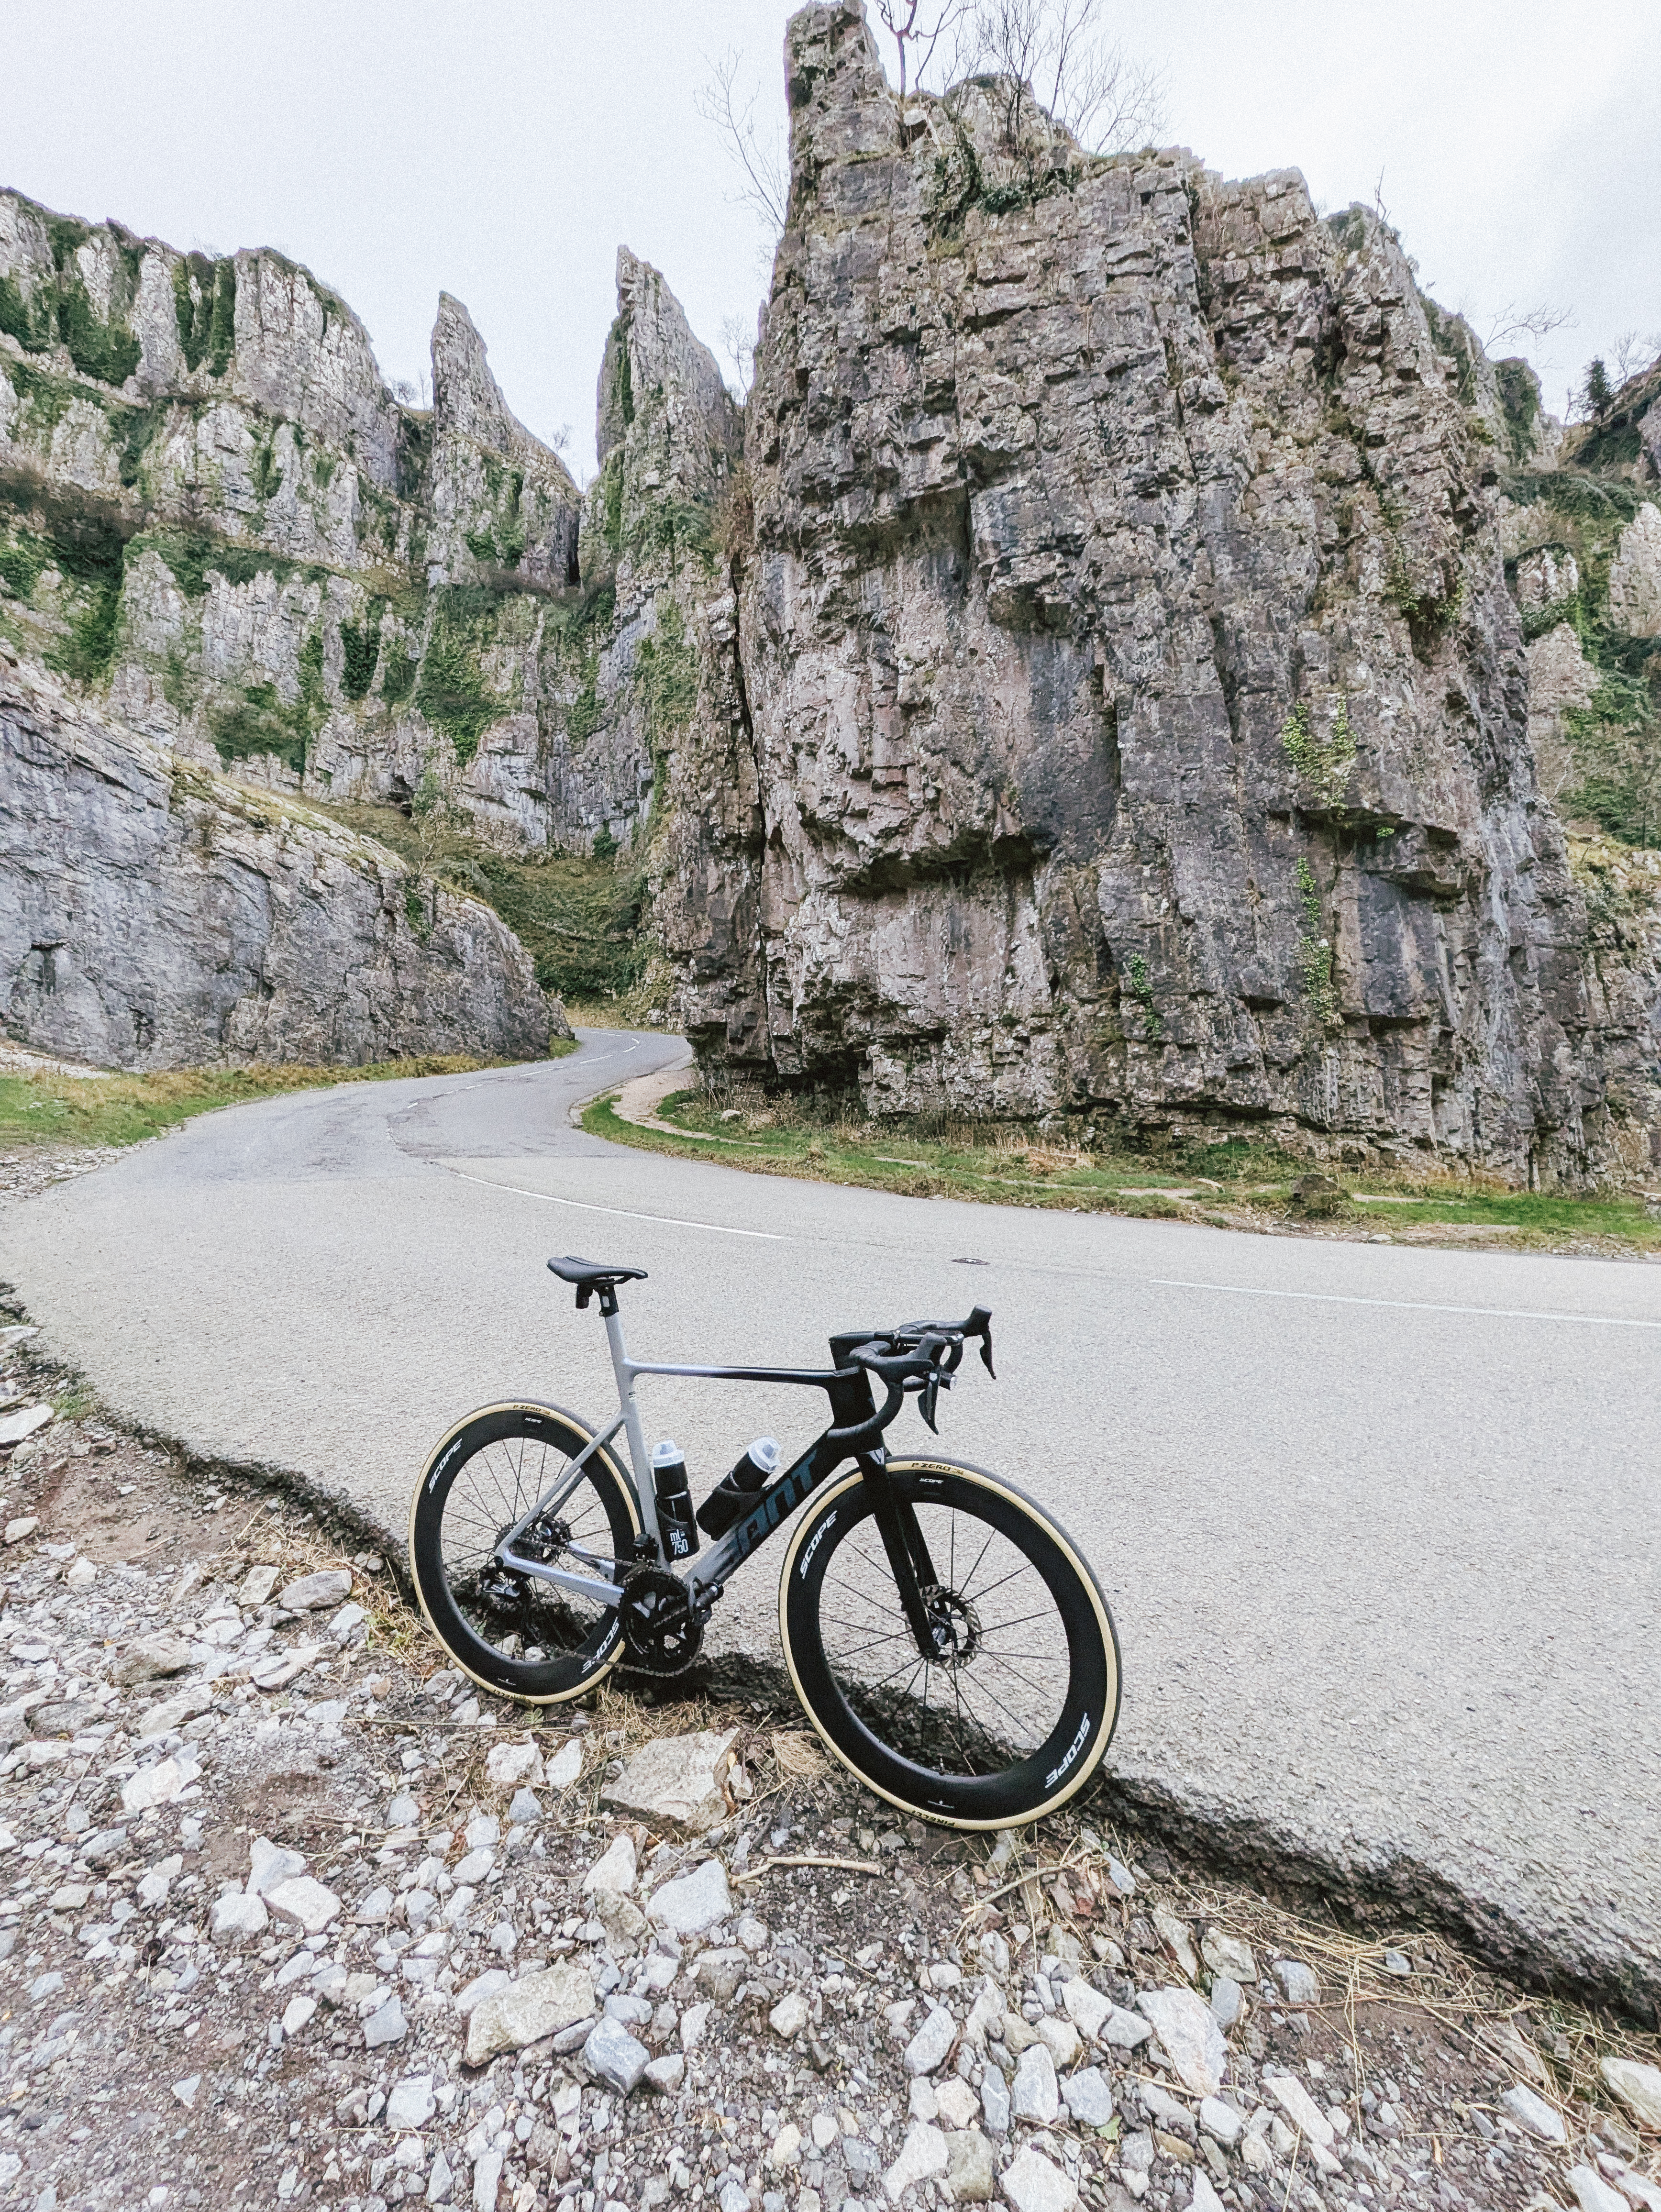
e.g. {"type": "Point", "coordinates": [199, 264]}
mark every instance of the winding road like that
{"type": "Point", "coordinates": [1380, 1525]}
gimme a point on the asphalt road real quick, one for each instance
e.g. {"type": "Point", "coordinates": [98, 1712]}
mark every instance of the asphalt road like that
{"type": "Point", "coordinates": [1380, 1526]}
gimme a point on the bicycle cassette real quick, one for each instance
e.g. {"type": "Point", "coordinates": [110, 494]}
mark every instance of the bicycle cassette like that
{"type": "Point", "coordinates": [661, 1632]}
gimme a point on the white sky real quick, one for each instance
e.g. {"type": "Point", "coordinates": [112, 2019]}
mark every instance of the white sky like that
{"type": "Point", "coordinates": [501, 151]}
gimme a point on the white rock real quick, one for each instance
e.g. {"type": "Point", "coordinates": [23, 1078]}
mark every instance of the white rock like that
{"type": "Point", "coordinates": [185, 2090]}
{"type": "Point", "coordinates": [27, 1421]}
{"type": "Point", "coordinates": [1593, 2193]}
{"type": "Point", "coordinates": [150, 1659]}
{"type": "Point", "coordinates": [970, 2175]}
{"type": "Point", "coordinates": [789, 2015]}
{"type": "Point", "coordinates": [786, 2150]}
{"type": "Point", "coordinates": [958, 2102]}
{"type": "Point", "coordinates": [666, 2075]}
{"type": "Point", "coordinates": [482, 1986]}
{"type": "Point", "coordinates": [1534, 2115]}
{"type": "Point", "coordinates": [487, 2180]}
{"type": "Point", "coordinates": [1187, 2028]}
{"type": "Point", "coordinates": [1033, 2094]}
{"type": "Point", "coordinates": [313, 1592]}
{"type": "Point", "coordinates": [1221, 2122]}
{"type": "Point", "coordinates": [1086, 2008]}
{"type": "Point", "coordinates": [1227, 1954]}
{"type": "Point", "coordinates": [923, 2154]}
{"type": "Point", "coordinates": [411, 2103]}
{"type": "Point", "coordinates": [1124, 2031]}
{"type": "Point", "coordinates": [171, 1715]}
{"type": "Point", "coordinates": [1639, 2088]}
{"type": "Point", "coordinates": [300, 2010]}
{"type": "Point", "coordinates": [387, 2024]}
{"type": "Point", "coordinates": [303, 1900]}
{"type": "Point", "coordinates": [565, 1767]}
{"type": "Point", "coordinates": [676, 1781]}
{"type": "Point", "coordinates": [1300, 2107]}
{"type": "Point", "coordinates": [256, 1587]}
{"type": "Point", "coordinates": [534, 2006]}
{"type": "Point", "coordinates": [615, 1867]}
{"type": "Point", "coordinates": [1634, 586]}
{"type": "Point", "coordinates": [1300, 1982]}
{"type": "Point", "coordinates": [1205, 2197]}
{"type": "Point", "coordinates": [1034, 2184]}
{"type": "Point", "coordinates": [694, 2025]}
{"type": "Point", "coordinates": [159, 1784]}
{"type": "Point", "coordinates": [236, 1914]}
{"type": "Point", "coordinates": [1088, 2097]}
{"type": "Point", "coordinates": [82, 1576]}
{"type": "Point", "coordinates": [270, 1864]}
{"type": "Point", "coordinates": [276, 1673]}
{"type": "Point", "coordinates": [511, 1763]}
{"type": "Point", "coordinates": [693, 1902]}
{"type": "Point", "coordinates": [1178, 1938]}
{"type": "Point", "coordinates": [617, 2058]}
{"type": "Point", "coordinates": [469, 1871]}
{"type": "Point", "coordinates": [928, 2047]}
{"type": "Point", "coordinates": [1063, 2041]}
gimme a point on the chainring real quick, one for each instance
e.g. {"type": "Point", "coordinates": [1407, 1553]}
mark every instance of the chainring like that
{"type": "Point", "coordinates": [662, 1633]}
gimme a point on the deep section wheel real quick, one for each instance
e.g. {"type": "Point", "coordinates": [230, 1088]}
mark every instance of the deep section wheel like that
{"type": "Point", "coordinates": [1008, 1712]}
{"type": "Point", "coordinates": [512, 1633]}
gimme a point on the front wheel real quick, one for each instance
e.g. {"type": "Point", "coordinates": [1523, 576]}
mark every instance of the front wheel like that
{"type": "Point", "coordinates": [1009, 1715]}
{"type": "Point", "coordinates": [512, 1633]}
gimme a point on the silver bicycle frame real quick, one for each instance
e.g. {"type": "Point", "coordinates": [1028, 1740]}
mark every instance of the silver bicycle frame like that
{"type": "Point", "coordinates": [707, 1571]}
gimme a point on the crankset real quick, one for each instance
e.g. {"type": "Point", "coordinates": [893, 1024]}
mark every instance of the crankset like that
{"type": "Point", "coordinates": [661, 1632]}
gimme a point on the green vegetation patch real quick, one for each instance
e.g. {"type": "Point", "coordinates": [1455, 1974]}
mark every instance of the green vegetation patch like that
{"type": "Point", "coordinates": [451, 692]}
{"type": "Point", "coordinates": [124, 1109]}
{"type": "Point", "coordinates": [262, 722]}
{"type": "Point", "coordinates": [827, 1137]}
{"type": "Point", "coordinates": [581, 920]}
{"type": "Point", "coordinates": [360, 649]}
{"type": "Point", "coordinates": [1322, 760]}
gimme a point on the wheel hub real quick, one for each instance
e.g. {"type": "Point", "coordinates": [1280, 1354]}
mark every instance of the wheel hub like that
{"type": "Point", "coordinates": [956, 1625]}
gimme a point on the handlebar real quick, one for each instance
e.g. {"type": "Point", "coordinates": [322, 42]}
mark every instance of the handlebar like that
{"type": "Point", "coordinates": [919, 1358]}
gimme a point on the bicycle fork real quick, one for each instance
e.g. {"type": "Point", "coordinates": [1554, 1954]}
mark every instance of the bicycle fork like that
{"type": "Point", "coordinates": [908, 1553]}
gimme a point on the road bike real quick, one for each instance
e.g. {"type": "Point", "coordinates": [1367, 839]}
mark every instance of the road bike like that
{"type": "Point", "coordinates": [944, 1635]}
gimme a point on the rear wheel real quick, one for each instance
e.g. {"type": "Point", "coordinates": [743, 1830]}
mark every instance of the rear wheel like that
{"type": "Point", "coordinates": [1009, 1714]}
{"type": "Point", "coordinates": [512, 1633]}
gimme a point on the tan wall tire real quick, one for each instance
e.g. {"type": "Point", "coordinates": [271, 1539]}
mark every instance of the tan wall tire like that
{"type": "Point", "coordinates": [941, 1783]}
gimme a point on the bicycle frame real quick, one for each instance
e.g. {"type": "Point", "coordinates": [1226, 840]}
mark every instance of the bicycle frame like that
{"type": "Point", "coordinates": [852, 1407]}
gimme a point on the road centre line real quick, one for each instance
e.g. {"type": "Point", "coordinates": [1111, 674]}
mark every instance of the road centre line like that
{"type": "Point", "coordinates": [1405, 1305]}
{"type": "Point", "coordinates": [622, 1214]}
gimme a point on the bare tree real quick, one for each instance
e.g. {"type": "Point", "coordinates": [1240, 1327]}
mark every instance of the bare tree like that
{"type": "Point", "coordinates": [1515, 322]}
{"type": "Point", "coordinates": [761, 163]}
{"type": "Point", "coordinates": [921, 32]}
{"type": "Point", "coordinates": [738, 345]}
{"type": "Point", "coordinates": [1057, 53]}
{"type": "Point", "coordinates": [1632, 354]}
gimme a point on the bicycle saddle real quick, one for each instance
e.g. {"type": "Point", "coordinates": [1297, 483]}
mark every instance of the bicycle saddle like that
{"type": "Point", "coordinates": [591, 1275]}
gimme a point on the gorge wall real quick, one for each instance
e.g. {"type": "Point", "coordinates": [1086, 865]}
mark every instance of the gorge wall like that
{"type": "Point", "coordinates": [1135, 705]}
{"type": "Point", "coordinates": [1101, 671]}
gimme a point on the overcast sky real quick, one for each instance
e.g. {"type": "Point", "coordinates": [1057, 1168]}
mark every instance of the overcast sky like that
{"type": "Point", "coordinates": [502, 150]}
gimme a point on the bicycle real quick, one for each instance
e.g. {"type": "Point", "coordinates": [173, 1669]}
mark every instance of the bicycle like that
{"type": "Point", "coordinates": [943, 1634]}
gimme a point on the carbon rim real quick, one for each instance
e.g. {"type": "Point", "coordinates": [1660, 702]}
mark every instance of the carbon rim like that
{"type": "Point", "coordinates": [1019, 1714]}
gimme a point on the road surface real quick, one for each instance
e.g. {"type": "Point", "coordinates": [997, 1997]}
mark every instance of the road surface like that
{"type": "Point", "coordinates": [1380, 1525]}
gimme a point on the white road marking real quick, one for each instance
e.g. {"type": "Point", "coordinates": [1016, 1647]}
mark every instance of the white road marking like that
{"type": "Point", "coordinates": [1407, 1305]}
{"type": "Point", "coordinates": [622, 1214]}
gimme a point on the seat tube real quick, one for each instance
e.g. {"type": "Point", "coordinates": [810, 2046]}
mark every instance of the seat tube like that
{"type": "Point", "coordinates": [645, 1493]}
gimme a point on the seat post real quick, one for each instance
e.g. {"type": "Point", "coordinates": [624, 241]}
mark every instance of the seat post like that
{"type": "Point", "coordinates": [644, 1490]}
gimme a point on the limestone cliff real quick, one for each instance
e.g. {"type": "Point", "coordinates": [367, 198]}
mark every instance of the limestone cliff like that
{"type": "Point", "coordinates": [214, 513]}
{"type": "Point", "coordinates": [1133, 702]}
{"type": "Point", "coordinates": [153, 914]}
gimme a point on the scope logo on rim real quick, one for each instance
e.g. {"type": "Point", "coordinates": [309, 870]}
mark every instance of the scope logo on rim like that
{"type": "Point", "coordinates": [820, 1535]}
{"type": "Point", "coordinates": [1072, 1751]}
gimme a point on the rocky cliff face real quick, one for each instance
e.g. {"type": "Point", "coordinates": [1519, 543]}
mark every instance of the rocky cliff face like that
{"type": "Point", "coordinates": [1133, 702]}
{"type": "Point", "coordinates": [153, 914]}
{"type": "Point", "coordinates": [213, 511]}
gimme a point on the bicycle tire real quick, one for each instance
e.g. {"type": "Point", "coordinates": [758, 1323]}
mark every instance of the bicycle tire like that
{"type": "Point", "coordinates": [944, 1768]}
{"type": "Point", "coordinates": [458, 1612]}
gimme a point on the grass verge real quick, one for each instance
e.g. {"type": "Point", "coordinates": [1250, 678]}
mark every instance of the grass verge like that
{"type": "Point", "coordinates": [42, 1107]}
{"type": "Point", "coordinates": [1237, 1185]}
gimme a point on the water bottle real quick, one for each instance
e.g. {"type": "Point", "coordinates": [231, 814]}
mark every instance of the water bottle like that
{"type": "Point", "coordinates": [675, 1523]}
{"type": "Point", "coordinates": [735, 1493]}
